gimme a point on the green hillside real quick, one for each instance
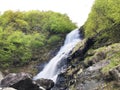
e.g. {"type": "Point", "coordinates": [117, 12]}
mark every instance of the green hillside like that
{"type": "Point", "coordinates": [26, 36]}
{"type": "Point", "coordinates": [104, 20]}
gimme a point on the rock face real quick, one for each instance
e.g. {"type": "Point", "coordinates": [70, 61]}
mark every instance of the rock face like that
{"type": "Point", "coordinates": [23, 81]}
{"type": "Point", "coordinates": [76, 78]}
{"type": "Point", "coordinates": [81, 48]}
{"type": "Point", "coordinates": [90, 78]}
{"type": "Point", "coordinates": [65, 79]}
{"type": "Point", "coordinates": [88, 68]}
{"type": "Point", "coordinates": [84, 71]}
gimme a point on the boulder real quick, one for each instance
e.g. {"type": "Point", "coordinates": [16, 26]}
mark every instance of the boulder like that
{"type": "Point", "coordinates": [13, 78]}
{"type": "Point", "coordinates": [1, 76]}
{"type": "Point", "coordinates": [115, 73]}
{"type": "Point", "coordinates": [46, 84]}
{"type": "Point", "coordinates": [19, 81]}
{"type": "Point", "coordinates": [98, 65]}
{"type": "Point", "coordinates": [23, 81]}
{"type": "Point", "coordinates": [8, 88]}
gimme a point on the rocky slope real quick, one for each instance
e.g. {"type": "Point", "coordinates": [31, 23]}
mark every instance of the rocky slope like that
{"type": "Point", "coordinates": [94, 64]}
{"type": "Point", "coordinates": [91, 69]}
{"type": "Point", "coordinates": [87, 69]}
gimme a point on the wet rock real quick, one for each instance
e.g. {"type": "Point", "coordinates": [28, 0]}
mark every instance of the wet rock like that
{"type": "Point", "coordinates": [67, 78]}
{"type": "Point", "coordinates": [61, 83]}
{"type": "Point", "coordinates": [82, 33]}
{"type": "Point", "coordinates": [46, 84]}
{"type": "Point", "coordinates": [84, 71]}
{"type": "Point", "coordinates": [81, 48]}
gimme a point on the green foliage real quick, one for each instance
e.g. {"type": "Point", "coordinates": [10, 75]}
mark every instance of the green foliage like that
{"type": "Point", "coordinates": [39, 21]}
{"type": "Point", "coordinates": [53, 39]}
{"type": "Point", "coordinates": [104, 18]}
{"type": "Point", "coordinates": [58, 23]}
{"type": "Point", "coordinates": [16, 47]}
{"type": "Point", "coordinates": [49, 21]}
{"type": "Point", "coordinates": [23, 34]}
{"type": "Point", "coordinates": [37, 40]}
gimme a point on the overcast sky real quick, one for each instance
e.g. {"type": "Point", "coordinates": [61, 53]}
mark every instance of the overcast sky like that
{"type": "Point", "coordinates": [77, 10]}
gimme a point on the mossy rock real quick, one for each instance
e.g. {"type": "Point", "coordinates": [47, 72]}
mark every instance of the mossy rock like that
{"type": "Point", "coordinates": [111, 53]}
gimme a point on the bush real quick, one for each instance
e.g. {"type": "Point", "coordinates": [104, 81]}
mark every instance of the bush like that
{"type": "Point", "coordinates": [16, 47]}
{"type": "Point", "coordinates": [104, 18]}
{"type": "Point", "coordinates": [53, 39]}
{"type": "Point", "coordinates": [23, 34]}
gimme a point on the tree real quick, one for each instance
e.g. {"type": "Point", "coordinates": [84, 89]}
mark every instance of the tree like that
{"type": "Point", "coordinates": [103, 17]}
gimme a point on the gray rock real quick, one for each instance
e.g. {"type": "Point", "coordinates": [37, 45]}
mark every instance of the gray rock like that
{"type": "Point", "coordinates": [8, 88]}
{"type": "Point", "coordinates": [115, 73]}
{"type": "Point", "coordinates": [98, 65]}
{"type": "Point", "coordinates": [1, 76]}
{"type": "Point", "coordinates": [45, 84]}
{"type": "Point", "coordinates": [23, 81]}
{"type": "Point", "coordinates": [19, 81]}
{"type": "Point", "coordinates": [13, 78]}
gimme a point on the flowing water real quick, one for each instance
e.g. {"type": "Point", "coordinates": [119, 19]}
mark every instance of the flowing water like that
{"type": "Point", "coordinates": [53, 68]}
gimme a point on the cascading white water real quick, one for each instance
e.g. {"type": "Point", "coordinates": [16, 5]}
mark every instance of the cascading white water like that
{"type": "Point", "coordinates": [52, 70]}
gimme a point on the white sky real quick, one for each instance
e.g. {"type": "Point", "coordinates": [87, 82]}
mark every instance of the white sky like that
{"type": "Point", "coordinates": [77, 10]}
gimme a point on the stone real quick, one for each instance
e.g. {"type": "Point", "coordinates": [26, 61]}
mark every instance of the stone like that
{"type": "Point", "coordinates": [13, 78]}
{"type": "Point", "coordinates": [8, 88]}
{"type": "Point", "coordinates": [115, 73]}
{"type": "Point", "coordinates": [46, 84]}
{"type": "Point", "coordinates": [19, 81]}
{"type": "Point", "coordinates": [81, 48]}
{"type": "Point", "coordinates": [23, 81]}
{"type": "Point", "coordinates": [98, 65]}
{"type": "Point", "coordinates": [1, 76]}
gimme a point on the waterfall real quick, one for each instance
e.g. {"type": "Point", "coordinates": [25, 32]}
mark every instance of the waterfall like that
{"type": "Point", "coordinates": [53, 68]}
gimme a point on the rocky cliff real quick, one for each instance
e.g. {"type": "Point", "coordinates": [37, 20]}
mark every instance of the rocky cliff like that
{"type": "Point", "coordinates": [91, 69]}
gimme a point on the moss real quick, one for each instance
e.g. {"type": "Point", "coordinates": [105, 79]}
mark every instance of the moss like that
{"type": "Point", "coordinates": [95, 55]}
{"type": "Point", "coordinates": [111, 53]}
{"type": "Point", "coordinates": [115, 61]}
{"type": "Point", "coordinates": [114, 56]}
